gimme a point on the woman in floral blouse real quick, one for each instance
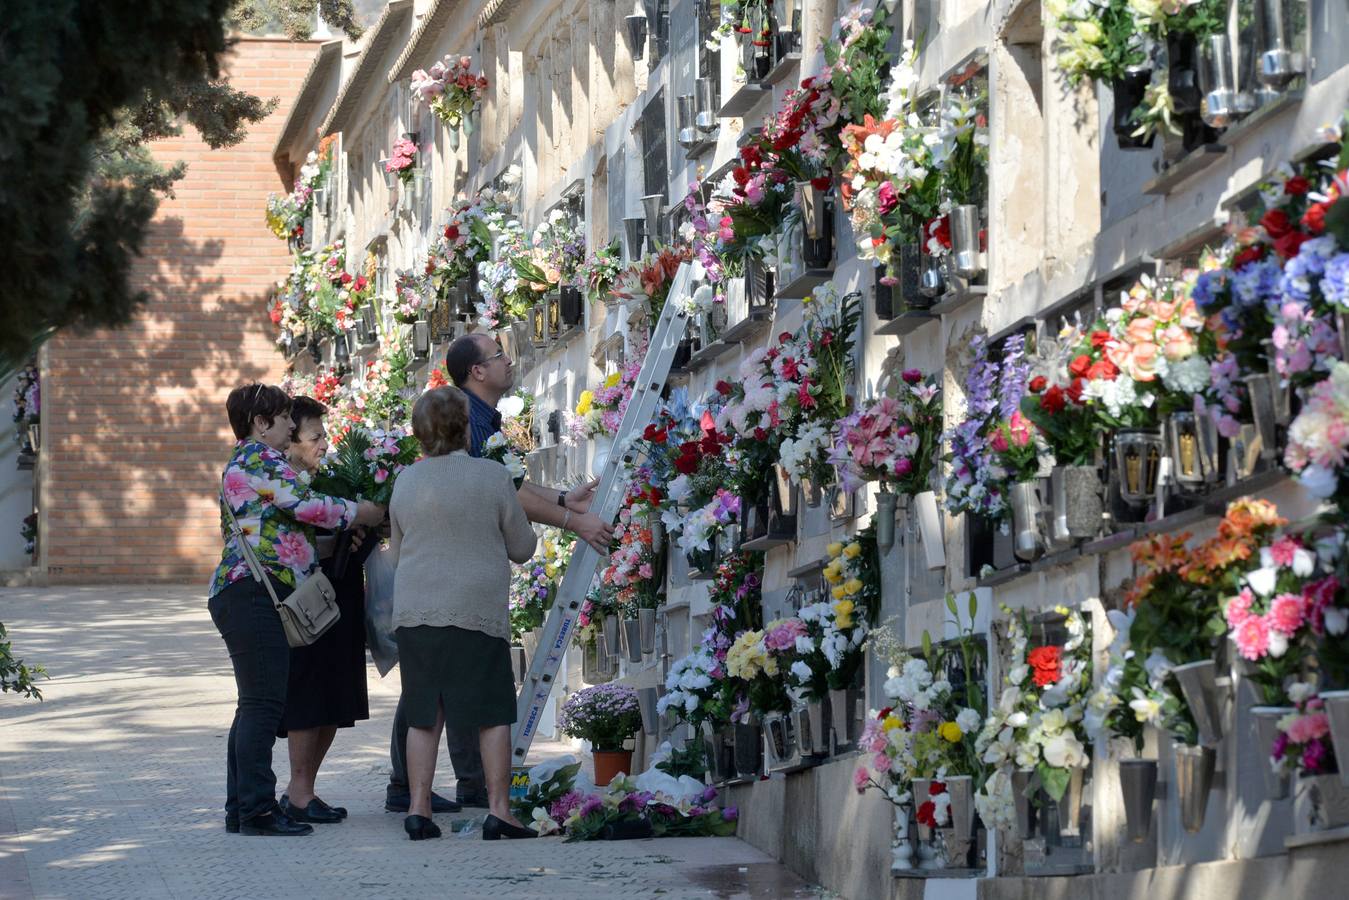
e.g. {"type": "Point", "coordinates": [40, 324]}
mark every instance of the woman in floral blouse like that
{"type": "Point", "coordinates": [277, 512]}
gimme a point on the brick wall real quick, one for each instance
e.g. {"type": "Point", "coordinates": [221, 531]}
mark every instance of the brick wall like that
{"type": "Point", "coordinates": [134, 426]}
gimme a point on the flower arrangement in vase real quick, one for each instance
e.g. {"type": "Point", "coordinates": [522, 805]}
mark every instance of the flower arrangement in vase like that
{"type": "Point", "coordinates": [402, 160]}
{"type": "Point", "coordinates": [450, 89]}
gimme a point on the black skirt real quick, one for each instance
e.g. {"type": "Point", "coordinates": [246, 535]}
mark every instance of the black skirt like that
{"type": "Point", "coordinates": [467, 672]}
{"type": "Point", "coordinates": [327, 686]}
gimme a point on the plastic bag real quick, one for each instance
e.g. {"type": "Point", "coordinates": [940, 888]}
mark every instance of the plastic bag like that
{"type": "Point", "coordinates": [379, 578]}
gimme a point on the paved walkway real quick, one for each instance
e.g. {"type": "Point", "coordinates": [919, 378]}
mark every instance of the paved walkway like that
{"type": "Point", "coordinates": [113, 785]}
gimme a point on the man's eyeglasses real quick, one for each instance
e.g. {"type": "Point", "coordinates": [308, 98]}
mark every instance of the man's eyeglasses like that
{"type": "Point", "coordinates": [493, 357]}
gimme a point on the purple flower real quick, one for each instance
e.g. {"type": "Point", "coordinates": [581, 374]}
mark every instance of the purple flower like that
{"type": "Point", "coordinates": [731, 813]}
{"type": "Point", "coordinates": [1314, 756]}
{"type": "Point", "coordinates": [592, 803]}
{"type": "Point", "coordinates": [1280, 747]}
{"type": "Point", "coordinates": [708, 795]}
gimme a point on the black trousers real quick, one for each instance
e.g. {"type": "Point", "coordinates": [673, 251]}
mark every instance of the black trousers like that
{"type": "Point", "coordinates": [244, 616]}
{"type": "Point", "coordinates": [464, 756]}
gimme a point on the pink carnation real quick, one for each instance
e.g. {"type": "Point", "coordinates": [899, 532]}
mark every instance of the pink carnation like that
{"type": "Point", "coordinates": [1239, 608]}
{"type": "Point", "coordinates": [1286, 614]}
{"type": "Point", "coordinates": [860, 779]}
{"type": "Point", "coordinates": [1282, 551]}
{"type": "Point", "coordinates": [1252, 637]}
{"type": "Point", "coordinates": [1308, 728]}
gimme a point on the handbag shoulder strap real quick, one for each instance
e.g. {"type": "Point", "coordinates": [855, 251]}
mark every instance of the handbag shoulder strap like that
{"type": "Point", "coordinates": [237, 533]}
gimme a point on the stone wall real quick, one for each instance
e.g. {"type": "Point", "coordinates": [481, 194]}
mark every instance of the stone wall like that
{"type": "Point", "coordinates": [134, 421]}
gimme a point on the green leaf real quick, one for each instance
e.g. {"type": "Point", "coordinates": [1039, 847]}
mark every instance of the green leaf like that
{"type": "Point", "coordinates": [927, 644]}
{"type": "Point", "coordinates": [1055, 781]}
{"type": "Point", "coordinates": [974, 607]}
{"type": "Point", "coordinates": [951, 605]}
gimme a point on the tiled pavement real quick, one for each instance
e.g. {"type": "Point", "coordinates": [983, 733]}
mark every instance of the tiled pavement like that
{"type": "Point", "coordinates": [112, 786]}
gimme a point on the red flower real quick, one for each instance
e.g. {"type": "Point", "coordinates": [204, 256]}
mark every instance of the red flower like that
{"type": "Point", "coordinates": [1314, 219]}
{"type": "Point", "coordinates": [1079, 366]}
{"type": "Point", "coordinates": [927, 814]}
{"type": "Point", "coordinates": [822, 183]}
{"type": "Point", "coordinates": [1052, 402]}
{"type": "Point", "coordinates": [1254, 253]}
{"type": "Point", "coordinates": [760, 434]}
{"type": "Point", "coordinates": [911, 376]}
{"type": "Point", "coordinates": [803, 396]}
{"type": "Point", "coordinates": [1037, 384]}
{"type": "Point", "coordinates": [1288, 245]}
{"type": "Point", "coordinates": [346, 278]}
{"type": "Point", "coordinates": [751, 154]}
{"type": "Point", "coordinates": [784, 337]}
{"type": "Point", "coordinates": [654, 434]}
{"type": "Point", "coordinates": [1276, 223]}
{"type": "Point", "coordinates": [1074, 391]}
{"type": "Point", "coordinates": [1103, 370]}
{"type": "Point", "coordinates": [937, 787]}
{"type": "Point", "coordinates": [724, 388]}
{"type": "Point", "coordinates": [1099, 339]}
{"type": "Point", "coordinates": [1296, 186]}
{"type": "Point", "coordinates": [940, 229]}
{"type": "Point", "coordinates": [451, 232]}
{"type": "Point", "coordinates": [686, 463]}
{"type": "Point", "coordinates": [1045, 663]}
{"type": "Point", "coordinates": [886, 201]}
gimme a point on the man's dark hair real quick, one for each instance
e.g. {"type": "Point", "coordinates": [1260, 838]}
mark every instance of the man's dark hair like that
{"type": "Point", "coordinates": [266, 400]}
{"type": "Point", "coordinates": [463, 354]}
{"type": "Point", "coordinates": [302, 409]}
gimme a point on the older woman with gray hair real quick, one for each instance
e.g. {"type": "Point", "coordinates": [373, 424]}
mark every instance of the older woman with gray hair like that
{"type": "Point", "coordinates": [457, 524]}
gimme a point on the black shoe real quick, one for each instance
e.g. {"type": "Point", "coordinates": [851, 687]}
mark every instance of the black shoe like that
{"type": "Point", "coordinates": [316, 812]}
{"type": "Point", "coordinates": [340, 810]}
{"type": "Point", "coordinates": [231, 826]}
{"type": "Point", "coordinates": [419, 828]}
{"type": "Point", "coordinates": [494, 829]}
{"type": "Point", "coordinates": [402, 802]}
{"type": "Point", "coordinates": [478, 800]}
{"type": "Point", "coordinates": [274, 824]}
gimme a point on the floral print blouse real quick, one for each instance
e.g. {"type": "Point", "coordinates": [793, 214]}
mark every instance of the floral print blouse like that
{"type": "Point", "coordinates": [278, 512]}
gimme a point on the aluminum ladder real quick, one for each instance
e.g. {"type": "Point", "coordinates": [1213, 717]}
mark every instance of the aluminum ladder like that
{"type": "Point", "coordinates": [561, 624]}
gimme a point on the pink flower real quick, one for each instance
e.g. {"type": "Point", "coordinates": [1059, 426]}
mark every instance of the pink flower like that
{"type": "Point", "coordinates": [644, 571]}
{"type": "Point", "coordinates": [1282, 551]}
{"type": "Point", "coordinates": [860, 779]}
{"type": "Point", "coordinates": [237, 489]}
{"type": "Point", "coordinates": [321, 512]}
{"type": "Point", "coordinates": [1308, 728]}
{"type": "Point", "coordinates": [1239, 608]}
{"type": "Point", "coordinates": [381, 475]}
{"type": "Point", "coordinates": [998, 441]}
{"type": "Point", "coordinates": [1252, 638]}
{"type": "Point", "coordinates": [294, 551]}
{"type": "Point", "coordinates": [1286, 613]}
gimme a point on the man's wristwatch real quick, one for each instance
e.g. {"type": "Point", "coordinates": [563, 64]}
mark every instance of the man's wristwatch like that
{"type": "Point", "coordinates": [562, 499]}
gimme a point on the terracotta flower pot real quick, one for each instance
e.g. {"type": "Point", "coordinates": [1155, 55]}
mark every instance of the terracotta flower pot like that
{"type": "Point", "coordinates": [609, 763]}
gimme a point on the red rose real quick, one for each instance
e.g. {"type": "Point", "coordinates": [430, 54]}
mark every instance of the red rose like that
{"type": "Point", "coordinates": [654, 434]}
{"type": "Point", "coordinates": [1103, 370]}
{"type": "Point", "coordinates": [760, 434]}
{"type": "Point", "coordinates": [1079, 366]}
{"type": "Point", "coordinates": [935, 788]}
{"type": "Point", "coordinates": [1276, 223]}
{"type": "Point", "coordinates": [1074, 390]}
{"type": "Point", "coordinates": [724, 388]}
{"type": "Point", "coordinates": [1287, 246]}
{"type": "Point", "coordinates": [346, 278]}
{"type": "Point", "coordinates": [1254, 253]}
{"type": "Point", "coordinates": [1045, 663]}
{"type": "Point", "coordinates": [1037, 384]}
{"type": "Point", "coordinates": [1099, 339]}
{"type": "Point", "coordinates": [822, 183]}
{"type": "Point", "coordinates": [784, 337]}
{"type": "Point", "coordinates": [686, 463]}
{"type": "Point", "coordinates": [751, 155]}
{"type": "Point", "coordinates": [1296, 186]}
{"type": "Point", "coordinates": [451, 232]}
{"type": "Point", "coordinates": [1314, 219]}
{"type": "Point", "coordinates": [1052, 402]}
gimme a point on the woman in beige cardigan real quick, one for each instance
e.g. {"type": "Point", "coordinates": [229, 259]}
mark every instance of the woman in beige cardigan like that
{"type": "Point", "coordinates": [457, 526]}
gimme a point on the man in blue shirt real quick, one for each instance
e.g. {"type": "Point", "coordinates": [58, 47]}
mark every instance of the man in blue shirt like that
{"type": "Point", "coordinates": [480, 367]}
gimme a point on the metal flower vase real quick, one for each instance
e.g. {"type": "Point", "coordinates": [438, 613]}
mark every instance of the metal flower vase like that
{"type": "Point", "coordinates": [1199, 687]}
{"type": "Point", "coordinates": [1027, 536]}
{"type": "Point", "coordinates": [1021, 798]}
{"type": "Point", "coordinates": [1337, 711]}
{"type": "Point", "coordinates": [609, 631]}
{"type": "Point", "coordinates": [1194, 780]}
{"type": "Point", "coordinates": [1260, 389]}
{"type": "Point", "coordinates": [1280, 62]}
{"type": "Point", "coordinates": [632, 639]}
{"type": "Point", "coordinates": [748, 742]}
{"type": "Point", "coordinates": [966, 254]}
{"type": "Point", "coordinates": [718, 753]}
{"type": "Point", "coordinates": [780, 742]}
{"type": "Point", "coordinates": [1063, 817]}
{"type": "Point", "coordinates": [646, 627]}
{"type": "Point", "coordinates": [529, 640]}
{"type": "Point", "coordinates": [1265, 725]}
{"type": "Point", "coordinates": [1138, 460]}
{"type": "Point", "coordinates": [885, 520]}
{"type": "Point", "coordinates": [1138, 784]}
{"type": "Point", "coordinates": [931, 280]}
{"type": "Point", "coordinates": [705, 91]}
{"type": "Point", "coordinates": [928, 514]}
{"type": "Point", "coordinates": [1218, 108]}
{"type": "Point", "coordinates": [959, 836]}
{"type": "Point", "coordinates": [841, 718]}
{"type": "Point", "coordinates": [647, 698]}
{"type": "Point", "coordinates": [812, 727]}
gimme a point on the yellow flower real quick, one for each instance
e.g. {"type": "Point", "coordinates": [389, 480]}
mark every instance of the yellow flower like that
{"type": "Point", "coordinates": [550, 571]}
{"type": "Point", "coordinates": [832, 574]}
{"type": "Point", "coordinates": [843, 611]}
{"type": "Point", "coordinates": [852, 586]}
{"type": "Point", "coordinates": [891, 722]}
{"type": "Point", "coordinates": [950, 732]}
{"type": "Point", "coordinates": [837, 591]}
{"type": "Point", "coordinates": [584, 402]}
{"type": "Point", "coordinates": [853, 550]}
{"type": "Point", "coordinates": [834, 549]}
{"type": "Point", "coordinates": [612, 380]}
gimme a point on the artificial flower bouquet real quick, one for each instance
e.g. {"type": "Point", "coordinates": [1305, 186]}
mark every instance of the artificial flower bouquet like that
{"type": "Point", "coordinates": [499, 449]}
{"type": "Point", "coordinates": [402, 160]}
{"type": "Point", "coordinates": [599, 273]}
{"type": "Point", "coordinates": [633, 569]}
{"type": "Point", "coordinates": [1303, 745]}
{"type": "Point", "coordinates": [1037, 723]}
{"type": "Point", "coordinates": [413, 296]}
{"type": "Point", "coordinates": [534, 585]}
{"type": "Point", "coordinates": [464, 242]}
{"type": "Point", "coordinates": [365, 463]}
{"type": "Point", "coordinates": [599, 412]}
{"type": "Point", "coordinates": [449, 88]}
{"type": "Point", "coordinates": [1055, 404]}
{"type": "Point", "coordinates": [561, 247]}
{"type": "Point", "coordinates": [893, 441]}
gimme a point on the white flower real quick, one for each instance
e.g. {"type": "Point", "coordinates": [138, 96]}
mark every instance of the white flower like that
{"type": "Point", "coordinates": [1065, 751]}
{"type": "Point", "coordinates": [1017, 674]}
{"type": "Point", "coordinates": [1278, 643]}
{"type": "Point", "coordinates": [968, 720]}
{"type": "Point", "coordinates": [1027, 755]}
{"type": "Point", "coordinates": [1262, 580]}
{"type": "Point", "coordinates": [1145, 708]}
{"type": "Point", "coordinates": [1018, 719]}
{"type": "Point", "coordinates": [801, 671]}
{"type": "Point", "coordinates": [543, 823]}
{"type": "Point", "coordinates": [1337, 620]}
{"type": "Point", "coordinates": [511, 406]}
